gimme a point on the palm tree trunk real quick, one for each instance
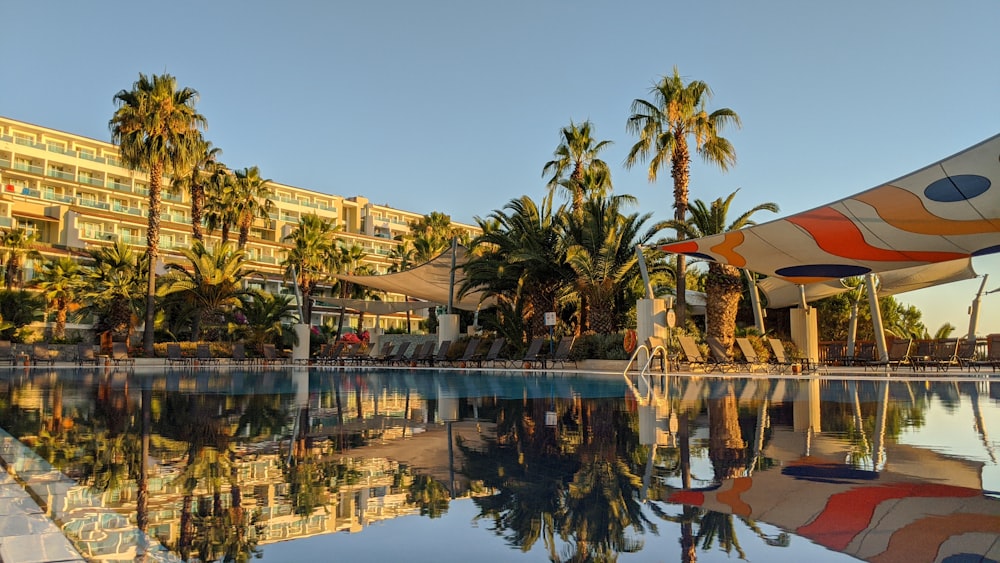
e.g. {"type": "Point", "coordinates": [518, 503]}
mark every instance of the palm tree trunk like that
{"type": "Point", "coordinates": [680, 171]}
{"type": "Point", "coordinates": [153, 251]}
{"type": "Point", "coordinates": [60, 331]}
{"type": "Point", "coordinates": [197, 204]}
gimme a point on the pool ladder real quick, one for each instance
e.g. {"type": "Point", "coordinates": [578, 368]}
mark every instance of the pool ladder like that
{"type": "Point", "coordinates": [644, 377]}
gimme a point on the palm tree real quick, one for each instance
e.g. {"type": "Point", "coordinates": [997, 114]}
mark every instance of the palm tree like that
{"type": "Point", "coordinates": [60, 281]}
{"type": "Point", "coordinates": [724, 285]}
{"type": "Point", "coordinates": [115, 287]}
{"type": "Point", "coordinates": [219, 213]}
{"type": "Point", "coordinates": [402, 257]}
{"type": "Point", "coordinates": [154, 127]}
{"type": "Point", "coordinates": [604, 260]}
{"type": "Point", "coordinates": [211, 279]}
{"type": "Point", "coordinates": [346, 260]}
{"type": "Point", "coordinates": [313, 240]}
{"type": "Point", "coordinates": [266, 317]}
{"type": "Point", "coordinates": [251, 200]}
{"type": "Point", "coordinates": [17, 245]}
{"type": "Point", "coordinates": [677, 111]}
{"type": "Point", "coordinates": [577, 152]}
{"type": "Point", "coordinates": [431, 235]}
{"type": "Point", "coordinates": [520, 259]}
{"type": "Point", "coordinates": [204, 166]}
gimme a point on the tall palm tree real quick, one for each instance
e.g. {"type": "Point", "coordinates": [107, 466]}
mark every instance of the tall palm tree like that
{"type": "Point", "coordinates": [402, 257]}
{"type": "Point", "coordinates": [154, 127]}
{"type": "Point", "coordinates": [211, 278]}
{"type": "Point", "coordinates": [664, 125]}
{"type": "Point", "coordinates": [251, 199]}
{"type": "Point", "coordinates": [346, 260]}
{"type": "Point", "coordinates": [724, 285]}
{"type": "Point", "coordinates": [219, 213]}
{"type": "Point", "coordinates": [313, 241]}
{"type": "Point", "coordinates": [61, 282]}
{"type": "Point", "coordinates": [202, 167]}
{"type": "Point", "coordinates": [17, 245]}
{"type": "Point", "coordinates": [577, 153]}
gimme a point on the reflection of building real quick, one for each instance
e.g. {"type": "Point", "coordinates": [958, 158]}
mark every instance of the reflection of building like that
{"type": "Point", "coordinates": [73, 193]}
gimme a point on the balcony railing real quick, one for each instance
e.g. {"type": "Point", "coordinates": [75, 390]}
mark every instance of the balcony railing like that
{"type": "Point", "coordinates": [6, 222]}
{"type": "Point", "coordinates": [118, 186]}
{"type": "Point", "coordinates": [99, 235]}
{"type": "Point", "coordinates": [28, 143]}
{"type": "Point", "coordinates": [4, 163]}
{"type": "Point", "coordinates": [59, 150]}
{"type": "Point", "coordinates": [52, 173]}
{"type": "Point", "coordinates": [27, 168]}
{"type": "Point", "coordinates": [91, 157]}
{"type": "Point", "coordinates": [90, 180]}
{"type": "Point", "coordinates": [59, 197]}
{"type": "Point", "coordinates": [134, 240]}
{"type": "Point", "coordinates": [95, 204]}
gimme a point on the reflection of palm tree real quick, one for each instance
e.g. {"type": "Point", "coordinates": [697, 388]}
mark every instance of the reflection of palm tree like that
{"type": "Point", "coordinates": [428, 494]}
{"type": "Point", "coordinates": [726, 447]}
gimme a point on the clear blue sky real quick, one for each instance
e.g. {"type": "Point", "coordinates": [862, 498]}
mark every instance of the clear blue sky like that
{"type": "Point", "coordinates": [455, 106]}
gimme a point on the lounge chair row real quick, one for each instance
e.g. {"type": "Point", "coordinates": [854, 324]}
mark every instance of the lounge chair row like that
{"type": "Point", "coordinates": [40, 354]}
{"type": "Point", "coordinates": [428, 354]}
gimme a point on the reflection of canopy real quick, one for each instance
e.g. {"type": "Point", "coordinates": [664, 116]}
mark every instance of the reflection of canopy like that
{"type": "Point", "coordinates": [429, 281]}
{"type": "Point", "coordinates": [781, 293]}
{"type": "Point", "coordinates": [376, 307]}
{"type": "Point", "coordinates": [944, 212]}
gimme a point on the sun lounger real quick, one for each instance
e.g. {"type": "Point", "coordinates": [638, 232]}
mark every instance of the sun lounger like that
{"type": "Point", "coordinates": [119, 354]}
{"type": "Point", "coordinates": [992, 358]}
{"type": "Point", "coordinates": [561, 356]}
{"type": "Point", "coordinates": [442, 354]}
{"type": "Point", "coordinates": [750, 358]}
{"type": "Point", "coordinates": [720, 356]}
{"type": "Point", "coordinates": [85, 354]}
{"type": "Point", "coordinates": [7, 352]}
{"type": "Point", "coordinates": [470, 352]}
{"type": "Point", "coordinates": [203, 354]}
{"type": "Point", "coordinates": [40, 354]}
{"type": "Point", "coordinates": [174, 354]}
{"type": "Point", "coordinates": [532, 355]}
{"type": "Point", "coordinates": [492, 355]}
{"type": "Point", "coordinates": [270, 355]}
{"type": "Point", "coordinates": [691, 355]}
{"type": "Point", "coordinates": [966, 353]}
{"type": "Point", "coordinates": [898, 354]}
{"type": "Point", "coordinates": [423, 353]}
{"type": "Point", "coordinates": [942, 355]}
{"type": "Point", "coordinates": [240, 354]}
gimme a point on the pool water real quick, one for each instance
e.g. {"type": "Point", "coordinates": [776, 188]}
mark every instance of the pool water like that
{"type": "Point", "coordinates": [420, 465]}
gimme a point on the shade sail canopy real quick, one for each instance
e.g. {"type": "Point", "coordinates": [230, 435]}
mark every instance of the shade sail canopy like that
{"type": "Point", "coordinates": [376, 307]}
{"type": "Point", "coordinates": [781, 293]}
{"type": "Point", "coordinates": [947, 211]}
{"type": "Point", "coordinates": [429, 281]}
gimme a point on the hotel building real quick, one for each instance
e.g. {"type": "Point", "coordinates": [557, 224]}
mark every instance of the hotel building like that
{"type": "Point", "coordinates": [74, 194]}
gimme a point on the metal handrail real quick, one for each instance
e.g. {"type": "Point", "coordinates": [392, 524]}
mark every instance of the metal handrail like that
{"type": "Point", "coordinates": [645, 371]}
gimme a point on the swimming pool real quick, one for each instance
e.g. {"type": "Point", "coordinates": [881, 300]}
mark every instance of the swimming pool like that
{"type": "Point", "coordinates": [421, 465]}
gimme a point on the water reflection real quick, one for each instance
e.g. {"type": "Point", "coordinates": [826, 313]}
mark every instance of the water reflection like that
{"type": "Point", "coordinates": [215, 466]}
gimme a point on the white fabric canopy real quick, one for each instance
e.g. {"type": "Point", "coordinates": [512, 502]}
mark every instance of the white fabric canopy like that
{"type": "Point", "coordinates": [781, 293]}
{"type": "Point", "coordinates": [429, 281]}
{"type": "Point", "coordinates": [942, 213]}
{"type": "Point", "coordinates": [376, 307]}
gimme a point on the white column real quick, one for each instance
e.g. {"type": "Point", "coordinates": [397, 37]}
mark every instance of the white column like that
{"type": "Point", "coordinates": [447, 328]}
{"type": "Point", "coordinates": [805, 332]}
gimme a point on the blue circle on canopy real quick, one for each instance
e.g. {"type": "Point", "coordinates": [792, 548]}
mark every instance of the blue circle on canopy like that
{"type": "Point", "coordinates": [957, 188]}
{"type": "Point", "coordinates": [700, 255]}
{"type": "Point", "coordinates": [822, 271]}
{"type": "Point", "coordinates": [988, 250]}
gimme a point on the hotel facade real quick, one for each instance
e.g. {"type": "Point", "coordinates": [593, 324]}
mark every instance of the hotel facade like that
{"type": "Point", "coordinates": [74, 195]}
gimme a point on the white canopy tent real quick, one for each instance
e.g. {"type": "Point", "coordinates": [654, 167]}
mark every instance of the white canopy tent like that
{"type": "Point", "coordinates": [429, 282]}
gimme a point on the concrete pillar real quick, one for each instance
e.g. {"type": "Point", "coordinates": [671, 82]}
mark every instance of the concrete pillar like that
{"type": "Point", "coordinates": [651, 320]}
{"type": "Point", "coordinates": [447, 328]}
{"type": "Point", "coordinates": [300, 351]}
{"type": "Point", "coordinates": [805, 332]}
{"type": "Point", "coordinates": [876, 315]}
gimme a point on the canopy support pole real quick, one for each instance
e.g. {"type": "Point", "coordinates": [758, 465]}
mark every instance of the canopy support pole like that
{"type": "Point", "coordinates": [451, 281]}
{"type": "Point", "coordinates": [642, 271]}
{"type": "Point", "coordinates": [877, 328]}
{"type": "Point", "coordinates": [974, 311]}
{"type": "Point", "coordinates": [758, 313]}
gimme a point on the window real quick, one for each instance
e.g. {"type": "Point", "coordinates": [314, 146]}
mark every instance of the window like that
{"type": "Point", "coordinates": [92, 230]}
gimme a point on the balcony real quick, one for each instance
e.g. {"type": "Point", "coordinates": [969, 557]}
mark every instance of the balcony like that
{"type": "Point", "coordinates": [113, 161]}
{"type": "Point", "coordinates": [27, 168]}
{"type": "Point", "coordinates": [4, 163]}
{"type": "Point", "coordinates": [133, 240]}
{"type": "Point", "coordinates": [91, 157]}
{"type": "Point", "coordinates": [59, 150]}
{"type": "Point", "coordinates": [28, 143]}
{"type": "Point", "coordinates": [59, 198]}
{"type": "Point", "coordinates": [95, 204]}
{"type": "Point", "coordinates": [62, 175]}
{"type": "Point", "coordinates": [99, 235]}
{"type": "Point", "coordinates": [90, 180]}
{"type": "Point", "coordinates": [118, 186]}
{"type": "Point", "coordinates": [172, 196]}
{"type": "Point", "coordinates": [6, 222]}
